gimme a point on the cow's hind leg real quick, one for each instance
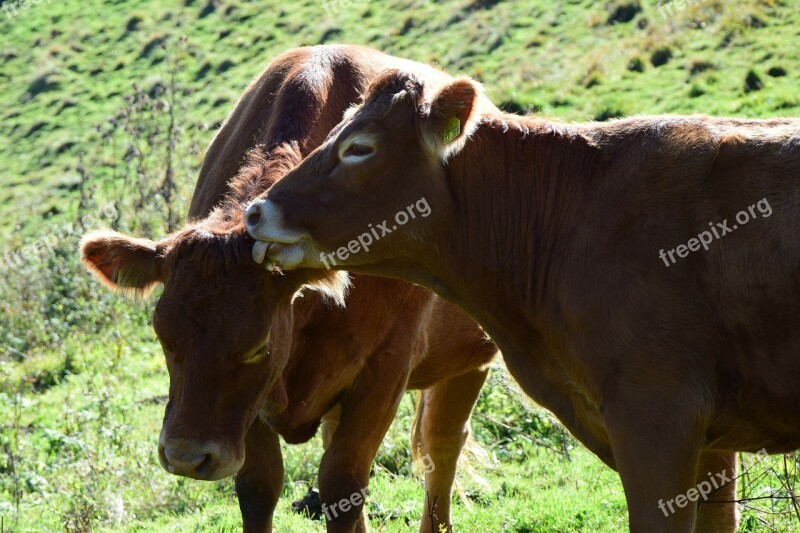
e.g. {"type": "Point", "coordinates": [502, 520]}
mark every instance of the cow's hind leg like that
{"type": "Point", "coordinates": [441, 428]}
{"type": "Point", "coordinates": [260, 480]}
{"type": "Point", "coordinates": [714, 516]}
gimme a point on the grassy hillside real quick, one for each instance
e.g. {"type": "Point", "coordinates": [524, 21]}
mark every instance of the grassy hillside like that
{"type": "Point", "coordinates": [65, 66]}
{"type": "Point", "coordinates": [103, 97]}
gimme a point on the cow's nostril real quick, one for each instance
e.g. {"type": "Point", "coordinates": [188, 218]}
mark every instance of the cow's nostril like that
{"type": "Point", "coordinates": [205, 466]}
{"type": "Point", "coordinates": [185, 463]}
{"type": "Point", "coordinates": [253, 216]}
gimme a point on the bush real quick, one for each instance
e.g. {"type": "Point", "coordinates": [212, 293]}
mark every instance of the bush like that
{"type": "Point", "coordinates": [46, 295]}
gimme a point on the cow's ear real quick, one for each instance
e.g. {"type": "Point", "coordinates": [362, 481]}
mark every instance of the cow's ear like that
{"type": "Point", "coordinates": [123, 263]}
{"type": "Point", "coordinates": [452, 117]}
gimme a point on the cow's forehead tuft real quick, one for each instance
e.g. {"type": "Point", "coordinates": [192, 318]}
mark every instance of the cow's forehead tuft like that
{"type": "Point", "coordinates": [212, 252]}
{"type": "Point", "coordinates": [393, 86]}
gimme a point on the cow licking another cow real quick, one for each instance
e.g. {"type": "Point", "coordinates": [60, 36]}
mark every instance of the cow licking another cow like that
{"type": "Point", "coordinates": [251, 359]}
{"type": "Point", "coordinates": [548, 235]}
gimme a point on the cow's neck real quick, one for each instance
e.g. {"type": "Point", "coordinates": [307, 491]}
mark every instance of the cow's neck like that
{"type": "Point", "coordinates": [517, 190]}
{"type": "Point", "coordinates": [497, 250]}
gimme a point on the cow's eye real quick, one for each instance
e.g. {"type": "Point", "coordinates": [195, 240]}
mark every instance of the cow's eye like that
{"type": "Point", "coordinates": [358, 150]}
{"type": "Point", "coordinates": [257, 356]}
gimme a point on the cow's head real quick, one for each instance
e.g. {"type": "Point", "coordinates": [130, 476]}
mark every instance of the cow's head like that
{"type": "Point", "coordinates": [225, 327]}
{"type": "Point", "coordinates": [370, 193]}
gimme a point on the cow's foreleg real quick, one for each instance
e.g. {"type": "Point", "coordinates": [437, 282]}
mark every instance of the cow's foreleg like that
{"type": "Point", "coordinates": [657, 446]}
{"type": "Point", "coordinates": [441, 430]}
{"type": "Point", "coordinates": [260, 480]}
{"type": "Point", "coordinates": [367, 412]}
{"type": "Point", "coordinates": [714, 516]}
{"type": "Point", "coordinates": [330, 423]}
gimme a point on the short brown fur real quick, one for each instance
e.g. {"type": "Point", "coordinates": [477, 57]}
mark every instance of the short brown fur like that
{"type": "Point", "coordinates": [549, 235]}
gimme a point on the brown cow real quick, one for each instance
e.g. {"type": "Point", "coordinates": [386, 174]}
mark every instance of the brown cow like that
{"type": "Point", "coordinates": [552, 236]}
{"type": "Point", "coordinates": [248, 363]}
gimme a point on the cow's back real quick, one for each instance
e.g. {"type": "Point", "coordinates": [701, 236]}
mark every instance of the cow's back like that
{"type": "Point", "coordinates": [294, 100]}
{"type": "Point", "coordinates": [240, 132]}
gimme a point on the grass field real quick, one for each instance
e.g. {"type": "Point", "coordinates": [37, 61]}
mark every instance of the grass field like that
{"type": "Point", "coordinates": [101, 94]}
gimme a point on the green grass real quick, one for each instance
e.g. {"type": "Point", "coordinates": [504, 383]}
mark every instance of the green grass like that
{"type": "Point", "coordinates": [66, 65]}
{"type": "Point", "coordinates": [82, 381]}
{"type": "Point", "coordinates": [526, 505]}
{"type": "Point", "coordinates": [85, 443]}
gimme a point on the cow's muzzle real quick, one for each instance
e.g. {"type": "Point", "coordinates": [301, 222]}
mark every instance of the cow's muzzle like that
{"type": "Point", "coordinates": [265, 222]}
{"type": "Point", "coordinates": [276, 243]}
{"type": "Point", "coordinates": [204, 461]}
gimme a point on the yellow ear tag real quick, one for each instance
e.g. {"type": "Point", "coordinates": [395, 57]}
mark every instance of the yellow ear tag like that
{"type": "Point", "coordinates": [452, 130]}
